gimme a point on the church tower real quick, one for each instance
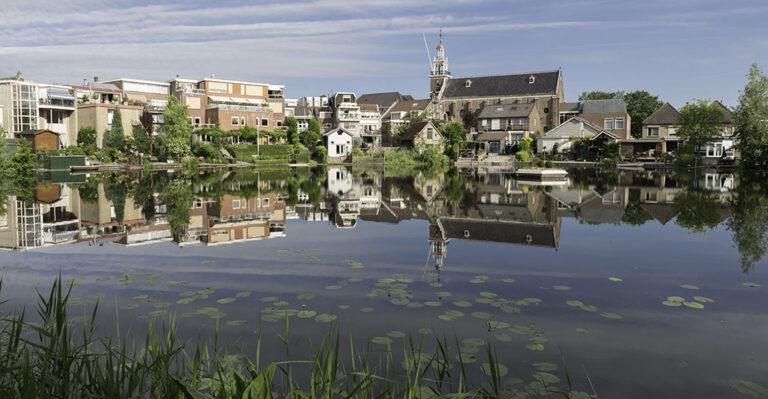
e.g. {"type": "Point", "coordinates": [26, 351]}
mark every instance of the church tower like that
{"type": "Point", "coordinates": [439, 70]}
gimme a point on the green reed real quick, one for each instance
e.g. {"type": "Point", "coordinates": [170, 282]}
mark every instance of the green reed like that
{"type": "Point", "coordinates": [48, 358]}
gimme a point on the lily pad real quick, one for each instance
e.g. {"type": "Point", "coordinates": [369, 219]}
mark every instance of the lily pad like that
{"type": "Point", "coordinates": [399, 301]}
{"type": "Point", "coordinates": [224, 301]}
{"type": "Point", "coordinates": [500, 369]}
{"type": "Point", "coordinates": [481, 315]}
{"type": "Point", "coordinates": [545, 366]}
{"type": "Point", "coordinates": [306, 314]}
{"type": "Point", "coordinates": [503, 337]}
{"type": "Point", "coordinates": [535, 347]}
{"type": "Point", "coordinates": [473, 342]}
{"type": "Point", "coordinates": [703, 299]}
{"type": "Point", "coordinates": [545, 377]}
{"type": "Point", "coordinates": [463, 304]}
{"type": "Point", "coordinates": [381, 340]}
{"type": "Point", "coordinates": [689, 286]}
{"type": "Point", "coordinates": [748, 388]}
{"type": "Point", "coordinates": [466, 358]}
{"type": "Point", "coordinates": [751, 285]}
{"type": "Point", "coordinates": [694, 305]}
{"type": "Point", "coordinates": [235, 323]}
{"type": "Point", "coordinates": [325, 318]}
{"type": "Point", "coordinates": [413, 305]}
{"type": "Point", "coordinates": [425, 331]}
{"type": "Point", "coordinates": [343, 307]}
{"type": "Point", "coordinates": [673, 304]}
{"type": "Point", "coordinates": [615, 279]}
{"type": "Point", "coordinates": [561, 288]}
{"type": "Point", "coordinates": [676, 299]}
{"type": "Point", "coordinates": [305, 296]}
{"type": "Point", "coordinates": [574, 303]}
{"type": "Point", "coordinates": [366, 310]}
{"type": "Point", "coordinates": [333, 287]}
{"type": "Point", "coordinates": [396, 334]}
{"type": "Point", "coordinates": [268, 299]}
{"type": "Point", "coordinates": [486, 294]}
{"type": "Point", "coordinates": [582, 330]}
{"type": "Point", "coordinates": [611, 315]}
{"type": "Point", "coordinates": [508, 280]}
{"type": "Point", "coordinates": [496, 324]}
{"type": "Point", "coordinates": [433, 303]}
{"type": "Point", "coordinates": [243, 294]}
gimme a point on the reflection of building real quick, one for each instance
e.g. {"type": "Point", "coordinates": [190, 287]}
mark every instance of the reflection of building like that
{"type": "Point", "coordinates": [47, 220]}
{"type": "Point", "coordinates": [235, 218]}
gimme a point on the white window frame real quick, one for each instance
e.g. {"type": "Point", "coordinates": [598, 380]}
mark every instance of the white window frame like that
{"type": "Point", "coordinates": [616, 123]}
{"type": "Point", "coordinates": [655, 129]}
{"type": "Point", "coordinates": [608, 123]}
{"type": "Point", "coordinates": [235, 121]}
{"type": "Point", "coordinates": [236, 204]}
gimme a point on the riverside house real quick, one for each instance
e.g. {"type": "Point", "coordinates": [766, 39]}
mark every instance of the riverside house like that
{"type": "Point", "coordinates": [421, 136]}
{"type": "Point", "coordinates": [339, 144]}
{"type": "Point", "coordinates": [561, 138]}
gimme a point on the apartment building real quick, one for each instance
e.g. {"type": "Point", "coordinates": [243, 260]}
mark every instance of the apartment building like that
{"type": "Point", "coordinates": [152, 95]}
{"type": "Point", "coordinates": [99, 116]}
{"type": "Point", "coordinates": [29, 106]}
{"type": "Point", "coordinates": [231, 104]}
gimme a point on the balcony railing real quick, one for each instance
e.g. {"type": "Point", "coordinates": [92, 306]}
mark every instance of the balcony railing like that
{"type": "Point", "coordinates": [232, 107]}
{"type": "Point", "coordinates": [58, 103]}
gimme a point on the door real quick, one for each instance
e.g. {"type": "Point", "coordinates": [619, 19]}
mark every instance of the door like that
{"type": "Point", "coordinates": [495, 147]}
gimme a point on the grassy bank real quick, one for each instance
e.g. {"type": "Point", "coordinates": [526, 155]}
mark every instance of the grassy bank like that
{"type": "Point", "coordinates": [54, 356]}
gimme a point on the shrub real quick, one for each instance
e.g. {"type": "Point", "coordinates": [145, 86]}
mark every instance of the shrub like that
{"type": "Point", "coordinates": [320, 154]}
{"type": "Point", "coordinates": [523, 156]}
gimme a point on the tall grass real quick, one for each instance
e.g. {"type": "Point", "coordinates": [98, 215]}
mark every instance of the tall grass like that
{"type": "Point", "coordinates": [48, 358]}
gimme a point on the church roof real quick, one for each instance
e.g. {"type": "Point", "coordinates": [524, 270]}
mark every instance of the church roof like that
{"type": "Point", "coordinates": [517, 85]}
{"type": "Point", "coordinates": [383, 100]}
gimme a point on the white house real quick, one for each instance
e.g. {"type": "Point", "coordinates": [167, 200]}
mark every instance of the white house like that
{"type": "Point", "coordinates": [339, 143]}
{"type": "Point", "coordinates": [561, 138]}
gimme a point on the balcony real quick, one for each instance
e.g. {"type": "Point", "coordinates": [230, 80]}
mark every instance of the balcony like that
{"type": "Point", "coordinates": [352, 116]}
{"type": "Point", "coordinates": [233, 107]}
{"type": "Point", "coordinates": [57, 103]}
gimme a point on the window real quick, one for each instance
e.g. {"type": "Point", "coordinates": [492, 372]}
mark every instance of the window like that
{"type": "Point", "coordinates": [485, 122]}
{"type": "Point", "coordinates": [653, 132]}
{"type": "Point", "coordinates": [495, 124]}
{"type": "Point", "coordinates": [110, 116]}
{"type": "Point", "coordinates": [236, 204]}
{"type": "Point", "coordinates": [265, 202]}
{"type": "Point", "coordinates": [430, 134]}
{"type": "Point", "coordinates": [242, 120]}
{"type": "Point", "coordinates": [468, 83]}
{"type": "Point", "coordinates": [197, 121]}
{"type": "Point", "coordinates": [339, 149]}
{"type": "Point", "coordinates": [651, 196]}
{"type": "Point", "coordinates": [619, 123]}
{"type": "Point", "coordinates": [235, 121]}
{"type": "Point", "coordinates": [327, 125]}
{"type": "Point", "coordinates": [715, 150]}
{"type": "Point", "coordinates": [265, 122]}
{"type": "Point", "coordinates": [608, 123]}
{"type": "Point", "coordinates": [531, 79]}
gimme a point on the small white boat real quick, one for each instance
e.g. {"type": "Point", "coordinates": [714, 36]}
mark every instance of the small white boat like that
{"type": "Point", "coordinates": [542, 174]}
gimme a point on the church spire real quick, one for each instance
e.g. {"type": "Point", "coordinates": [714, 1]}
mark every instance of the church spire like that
{"type": "Point", "coordinates": [440, 62]}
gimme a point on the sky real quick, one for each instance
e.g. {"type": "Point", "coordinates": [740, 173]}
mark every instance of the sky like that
{"type": "Point", "coordinates": [679, 50]}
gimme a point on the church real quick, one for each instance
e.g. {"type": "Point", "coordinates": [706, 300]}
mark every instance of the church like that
{"type": "Point", "coordinates": [462, 99]}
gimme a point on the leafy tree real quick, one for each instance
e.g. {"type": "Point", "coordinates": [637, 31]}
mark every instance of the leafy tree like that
{"type": "Point", "coordinates": [178, 198]}
{"type": "Point", "coordinates": [312, 135]}
{"type": "Point", "coordinates": [115, 138]}
{"type": "Point", "coordinates": [698, 211]}
{"type": "Point", "coordinates": [86, 139]}
{"type": "Point", "coordinates": [640, 105]}
{"type": "Point", "coordinates": [141, 140]}
{"type": "Point", "coordinates": [523, 153]}
{"type": "Point", "coordinates": [751, 119]}
{"type": "Point", "coordinates": [469, 118]}
{"type": "Point", "coordinates": [176, 132]}
{"type": "Point", "coordinates": [292, 130]}
{"type": "Point", "coordinates": [701, 122]}
{"type": "Point", "coordinates": [600, 95]}
{"type": "Point", "coordinates": [454, 135]}
{"type": "Point", "coordinates": [634, 213]}
{"type": "Point", "coordinates": [749, 222]}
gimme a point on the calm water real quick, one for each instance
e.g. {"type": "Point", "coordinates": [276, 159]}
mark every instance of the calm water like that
{"type": "Point", "coordinates": [578, 270]}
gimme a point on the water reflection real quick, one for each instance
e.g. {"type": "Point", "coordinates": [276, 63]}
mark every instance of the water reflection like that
{"type": "Point", "coordinates": [477, 205]}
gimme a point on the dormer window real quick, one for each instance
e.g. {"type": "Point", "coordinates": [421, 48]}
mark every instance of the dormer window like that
{"type": "Point", "coordinates": [468, 83]}
{"type": "Point", "coordinates": [532, 79]}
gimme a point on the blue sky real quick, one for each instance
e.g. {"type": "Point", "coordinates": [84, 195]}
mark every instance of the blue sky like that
{"type": "Point", "coordinates": [678, 49]}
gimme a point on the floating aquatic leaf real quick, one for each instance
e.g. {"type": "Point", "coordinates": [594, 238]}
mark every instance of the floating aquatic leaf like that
{"type": "Point", "coordinates": [354, 279]}
{"type": "Point", "coordinates": [281, 303]}
{"type": "Point", "coordinates": [498, 324]}
{"type": "Point", "coordinates": [354, 264]}
{"type": "Point", "coordinates": [268, 299]}
{"type": "Point", "coordinates": [396, 334]}
{"type": "Point", "coordinates": [508, 280]}
{"type": "Point", "coordinates": [445, 317]}
{"type": "Point", "coordinates": [535, 347]}
{"type": "Point", "coordinates": [455, 313]}
{"type": "Point", "coordinates": [343, 307]}
{"type": "Point", "coordinates": [325, 318]}
{"type": "Point", "coordinates": [473, 342]}
{"type": "Point", "coordinates": [433, 303]}
{"type": "Point", "coordinates": [224, 301]}
{"type": "Point", "coordinates": [672, 303]}
{"type": "Point", "coordinates": [305, 296]}
{"type": "Point", "coordinates": [510, 309]}
{"type": "Point", "coordinates": [703, 299]}
{"type": "Point", "coordinates": [484, 300]}
{"type": "Point", "coordinates": [129, 306]}
{"type": "Point", "coordinates": [532, 301]}
{"type": "Point", "coordinates": [689, 286]}
{"type": "Point", "coordinates": [463, 304]}
{"type": "Point", "coordinates": [486, 294]}
{"type": "Point", "coordinates": [611, 316]}
{"type": "Point", "coordinates": [676, 299]}
{"type": "Point", "coordinates": [270, 318]}
{"type": "Point", "coordinates": [538, 339]}
{"type": "Point", "coordinates": [306, 314]}
{"type": "Point", "coordinates": [156, 313]}
{"type": "Point", "coordinates": [366, 310]}
{"type": "Point", "coordinates": [751, 285]}
{"type": "Point", "coordinates": [561, 288]}
{"type": "Point", "coordinates": [143, 298]}
{"type": "Point", "coordinates": [500, 369]}
{"type": "Point", "coordinates": [442, 294]}
{"type": "Point", "coordinates": [574, 303]}
{"type": "Point", "coordinates": [479, 279]}
{"type": "Point", "coordinates": [521, 329]}
{"type": "Point", "coordinates": [545, 366]}
{"type": "Point", "coordinates": [399, 301]}
{"type": "Point", "coordinates": [694, 305]}
{"type": "Point", "coordinates": [413, 305]}
{"type": "Point", "coordinates": [161, 305]}
{"type": "Point", "coordinates": [425, 331]}
{"type": "Point", "coordinates": [235, 323]}
{"type": "Point", "coordinates": [333, 287]}
{"type": "Point", "coordinates": [503, 337]}
{"type": "Point", "coordinates": [748, 388]}
{"type": "Point", "coordinates": [615, 279]}
{"type": "Point", "coordinates": [481, 315]}
{"type": "Point", "coordinates": [210, 312]}
{"type": "Point", "coordinates": [243, 294]}
{"type": "Point", "coordinates": [545, 377]}
{"type": "Point", "coordinates": [582, 330]}
{"type": "Point", "coordinates": [466, 358]}
{"type": "Point", "coordinates": [381, 340]}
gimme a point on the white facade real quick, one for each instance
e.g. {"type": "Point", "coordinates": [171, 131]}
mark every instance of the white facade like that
{"type": "Point", "coordinates": [339, 143]}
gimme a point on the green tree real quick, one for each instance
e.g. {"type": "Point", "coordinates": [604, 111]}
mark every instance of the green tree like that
{"type": "Point", "coordinates": [86, 139]}
{"type": "Point", "coordinates": [176, 132]}
{"type": "Point", "coordinates": [312, 135]}
{"type": "Point", "coordinates": [600, 95]}
{"type": "Point", "coordinates": [141, 140]}
{"type": "Point", "coordinates": [178, 198]}
{"type": "Point", "coordinates": [751, 120]}
{"type": "Point", "coordinates": [701, 122]}
{"type": "Point", "coordinates": [115, 138]}
{"type": "Point", "coordinates": [749, 221]}
{"type": "Point", "coordinates": [292, 131]}
{"type": "Point", "coordinates": [640, 105]}
{"type": "Point", "coordinates": [454, 135]}
{"type": "Point", "coordinates": [698, 211]}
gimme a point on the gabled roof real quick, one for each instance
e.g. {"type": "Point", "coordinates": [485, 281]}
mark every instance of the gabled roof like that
{"type": "Point", "coordinates": [570, 107]}
{"type": "Point", "coordinates": [589, 127]}
{"type": "Point", "coordinates": [302, 112]}
{"type": "Point", "coordinates": [611, 106]}
{"type": "Point", "coordinates": [415, 129]}
{"type": "Point", "coordinates": [665, 115]}
{"type": "Point", "coordinates": [727, 113]}
{"type": "Point", "coordinates": [382, 100]}
{"type": "Point", "coordinates": [368, 107]}
{"type": "Point", "coordinates": [517, 85]}
{"type": "Point", "coordinates": [337, 130]}
{"type": "Point", "coordinates": [412, 105]}
{"type": "Point", "coordinates": [534, 234]}
{"type": "Point", "coordinates": [506, 111]}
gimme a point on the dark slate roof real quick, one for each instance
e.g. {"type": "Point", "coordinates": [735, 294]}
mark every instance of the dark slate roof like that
{"type": "Point", "coordinates": [727, 113]}
{"type": "Point", "coordinates": [661, 212]}
{"type": "Point", "coordinates": [382, 100]}
{"type": "Point", "coordinates": [302, 112]}
{"type": "Point", "coordinates": [411, 105]}
{"type": "Point", "coordinates": [506, 111]}
{"type": "Point", "coordinates": [543, 235]}
{"type": "Point", "coordinates": [570, 107]}
{"type": "Point", "coordinates": [665, 115]}
{"type": "Point", "coordinates": [414, 130]}
{"type": "Point", "coordinates": [492, 136]}
{"type": "Point", "coordinates": [545, 83]}
{"type": "Point", "coordinates": [612, 106]}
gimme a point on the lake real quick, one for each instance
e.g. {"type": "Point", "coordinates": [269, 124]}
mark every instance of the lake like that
{"type": "Point", "coordinates": [647, 284]}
